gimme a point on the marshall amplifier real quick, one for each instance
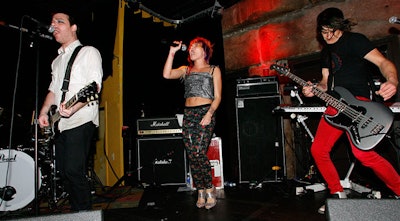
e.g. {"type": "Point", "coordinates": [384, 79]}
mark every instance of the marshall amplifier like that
{"type": "Point", "coordinates": [257, 86]}
{"type": "Point", "coordinates": [157, 126]}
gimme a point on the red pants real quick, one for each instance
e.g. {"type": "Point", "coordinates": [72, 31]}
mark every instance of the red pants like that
{"type": "Point", "coordinates": [324, 140]}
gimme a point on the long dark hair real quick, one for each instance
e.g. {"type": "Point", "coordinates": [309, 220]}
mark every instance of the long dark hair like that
{"type": "Point", "coordinates": [333, 18]}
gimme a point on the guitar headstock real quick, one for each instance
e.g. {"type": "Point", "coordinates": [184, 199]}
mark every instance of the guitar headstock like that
{"type": "Point", "coordinates": [88, 93]}
{"type": "Point", "coordinates": [280, 69]}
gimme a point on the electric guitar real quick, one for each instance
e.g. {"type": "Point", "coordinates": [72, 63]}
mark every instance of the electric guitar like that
{"type": "Point", "coordinates": [84, 95]}
{"type": "Point", "coordinates": [367, 122]}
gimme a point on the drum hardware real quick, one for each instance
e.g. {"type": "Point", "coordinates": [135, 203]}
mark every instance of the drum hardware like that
{"type": "Point", "coordinates": [17, 188]}
{"type": "Point", "coordinates": [7, 193]}
{"type": "Point", "coordinates": [17, 179]}
{"type": "Point", "coordinates": [51, 190]}
{"type": "Point", "coordinates": [91, 176]}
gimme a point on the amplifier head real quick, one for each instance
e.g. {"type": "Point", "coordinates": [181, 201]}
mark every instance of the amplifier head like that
{"type": "Point", "coordinates": [154, 126]}
{"type": "Point", "coordinates": [257, 86]}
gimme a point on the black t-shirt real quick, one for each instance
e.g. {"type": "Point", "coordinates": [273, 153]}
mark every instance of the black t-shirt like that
{"type": "Point", "coordinates": [349, 68]}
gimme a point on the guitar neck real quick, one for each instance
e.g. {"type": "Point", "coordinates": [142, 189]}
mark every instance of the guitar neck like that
{"type": "Point", "coordinates": [329, 99]}
{"type": "Point", "coordinates": [71, 102]}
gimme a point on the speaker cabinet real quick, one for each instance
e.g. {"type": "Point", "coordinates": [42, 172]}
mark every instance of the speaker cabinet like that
{"type": "Point", "coordinates": [362, 209]}
{"type": "Point", "coordinates": [260, 139]}
{"type": "Point", "coordinates": [161, 160]}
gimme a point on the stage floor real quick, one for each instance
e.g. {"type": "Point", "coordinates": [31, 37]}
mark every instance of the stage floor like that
{"type": "Point", "coordinates": [267, 201]}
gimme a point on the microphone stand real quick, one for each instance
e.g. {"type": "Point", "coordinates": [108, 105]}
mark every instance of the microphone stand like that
{"type": "Point", "coordinates": [37, 47]}
{"type": "Point", "coordinates": [295, 93]}
{"type": "Point", "coordinates": [34, 33]}
{"type": "Point", "coordinates": [301, 119]}
{"type": "Point", "coordinates": [35, 44]}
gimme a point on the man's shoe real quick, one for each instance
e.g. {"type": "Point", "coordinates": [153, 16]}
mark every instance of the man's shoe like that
{"type": "Point", "coordinates": [337, 195]}
{"type": "Point", "coordinates": [321, 210]}
{"type": "Point", "coordinates": [340, 195]}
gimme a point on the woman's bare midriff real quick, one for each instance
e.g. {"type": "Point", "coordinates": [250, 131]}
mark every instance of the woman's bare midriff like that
{"type": "Point", "coordinates": [196, 101]}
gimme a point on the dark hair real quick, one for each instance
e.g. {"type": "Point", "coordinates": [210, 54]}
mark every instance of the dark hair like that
{"type": "Point", "coordinates": [333, 18]}
{"type": "Point", "coordinates": [72, 16]}
{"type": "Point", "coordinates": [207, 46]}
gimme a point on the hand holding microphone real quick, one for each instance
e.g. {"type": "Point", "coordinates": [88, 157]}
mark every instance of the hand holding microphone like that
{"type": "Point", "coordinates": [179, 45]}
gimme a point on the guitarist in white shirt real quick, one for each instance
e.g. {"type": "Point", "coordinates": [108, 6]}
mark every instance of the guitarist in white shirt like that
{"type": "Point", "coordinates": [344, 63]}
{"type": "Point", "coordinates": [78, 122]}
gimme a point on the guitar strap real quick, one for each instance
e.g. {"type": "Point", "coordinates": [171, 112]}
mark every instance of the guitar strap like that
{"type": "Point", "coordinates": [330, 82]}
{"type": "Point", "coordinates": [67, 75]}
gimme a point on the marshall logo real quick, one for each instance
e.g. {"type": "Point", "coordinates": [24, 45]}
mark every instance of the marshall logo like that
{"type": "Point", "coordinates": [152, 126]}
{"type": "Point", "coordinates": [163, 162]}
{"type": "Point", "coordinates": [3, 158]}
{"type": "Point", "coordinates": [160, 124]}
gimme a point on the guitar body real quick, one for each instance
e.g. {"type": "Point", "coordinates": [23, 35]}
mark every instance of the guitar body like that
{"type": "Point", "coordinates": [85, 95]}
{"type": "Point", "coordinates": [362, 130]}
{"type": "Point", "coordinates": [54, 124]}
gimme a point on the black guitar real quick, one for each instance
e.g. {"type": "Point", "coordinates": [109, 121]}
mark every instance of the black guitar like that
{"type": "Point", "coordinates": [85, 95]}
{"type": "Point", "coordinates": [366, 122]}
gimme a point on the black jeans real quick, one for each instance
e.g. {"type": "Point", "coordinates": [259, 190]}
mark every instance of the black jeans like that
{"type": "Point", "coordinates": [72, 149]}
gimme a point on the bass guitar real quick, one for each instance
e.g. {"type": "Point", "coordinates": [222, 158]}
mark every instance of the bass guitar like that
{"type": "Point", "coordinates": [367, 122]}
{"type": "Point", "coordinates": [84, 95]}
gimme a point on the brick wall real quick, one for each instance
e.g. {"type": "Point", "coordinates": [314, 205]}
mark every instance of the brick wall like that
{"type": "Point", "coordinates": [256, 33]}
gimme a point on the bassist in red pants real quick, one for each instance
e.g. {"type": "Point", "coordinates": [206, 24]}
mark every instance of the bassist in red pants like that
{"type": "Point", "coordinates": [344, 59]}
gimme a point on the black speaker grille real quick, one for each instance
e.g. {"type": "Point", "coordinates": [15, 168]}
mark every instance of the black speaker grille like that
{"type": "Point", "coordinates": [260, 139]}
{"type": "Point", "coordinates": [161, 160]}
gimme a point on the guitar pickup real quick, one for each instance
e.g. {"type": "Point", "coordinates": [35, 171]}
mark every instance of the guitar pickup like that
{"type": "Point", "coordinates": [377, 129]}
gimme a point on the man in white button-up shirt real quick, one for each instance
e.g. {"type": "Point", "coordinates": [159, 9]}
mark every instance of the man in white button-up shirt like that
{"type": "Point", "coordinates": [77, 120]}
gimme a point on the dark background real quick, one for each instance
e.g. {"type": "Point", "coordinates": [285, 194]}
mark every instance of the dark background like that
{"type": "Point", "coordinates": [26, 60]}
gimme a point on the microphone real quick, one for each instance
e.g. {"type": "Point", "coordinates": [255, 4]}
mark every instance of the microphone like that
{"type": "Point", "coordinates": [183, 46]}
{"type": "Point", "coordinates": [49, 28]}
{"type": "Point", "coordinates": [28, 31]}
{"type": "Point", "coordinates": [394, 20]}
